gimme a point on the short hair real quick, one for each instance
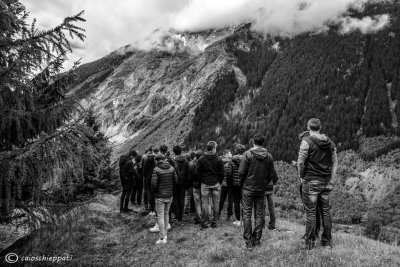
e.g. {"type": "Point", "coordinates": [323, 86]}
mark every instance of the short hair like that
{"type": "Point", "coordinates": [199, 153]}
{"type": "Point", "coordinates": [259, 139]}
{"type": "Point", "coordinates": [314, 124]}
{"type": "Point", "coordinates": [156, 150]}
{"type": "Point", "coordinates": [132, 153]}
{"type": "Point", "coordinates": [163, 149]}
{"type": "Point", "coordinates": [138, 158]}
{"type": "Point", "coordinates": [240, 149]}
{"type": "Point", "coordinates": [159, 157]}
{"type": "Point", "coordinates": [211, 145]}
{"type": "Point", "coordinates": [177, 150]}
{"type": "Point", "coordinates": [150, 149]}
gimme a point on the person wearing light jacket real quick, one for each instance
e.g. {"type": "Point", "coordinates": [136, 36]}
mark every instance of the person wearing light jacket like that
{"type": "Point", "coordinates": [163, 180]}
{"type": "Point", "coordinates": [256, 170]}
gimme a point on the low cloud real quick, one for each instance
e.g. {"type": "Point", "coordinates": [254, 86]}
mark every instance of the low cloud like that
{"type": "Point", "coordinates": [112, 24]}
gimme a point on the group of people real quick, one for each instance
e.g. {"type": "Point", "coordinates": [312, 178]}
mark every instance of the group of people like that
{"type": "Point", "coordinates": [202, 182]}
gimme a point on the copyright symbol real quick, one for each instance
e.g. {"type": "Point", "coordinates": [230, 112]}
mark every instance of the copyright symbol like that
{"type": "Point", "coordinates": [11, 258]}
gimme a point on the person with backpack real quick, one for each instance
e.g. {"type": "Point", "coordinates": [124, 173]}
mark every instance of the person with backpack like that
{"type": "Point", "coordinates": [317, 167]}
{"type": "Point", "coordinates": [211, 172]}
{"type": "Point", "coordinates": [127, 176]}
{"type": "Point", "coordinates": [148, 167]}
{"type": "Point", "coordinates": [163, 181]}
{"type": "Point", "coordinates": [182, 169]}
{"type": "Point", "coordinates": [226, 187]}
{"type": "Point", "coordinates": [236, 190]}
{"type": "Point", "coordinates": [256, 170]}
{"type": "Point", "coordinates": [136, 196]}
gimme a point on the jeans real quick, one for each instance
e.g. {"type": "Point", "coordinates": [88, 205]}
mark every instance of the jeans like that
{"type": "Point", "coordinates": [188, 199]}
{"type": "Point", "coordinates": [317, 215]}
{"type": "Point", "coordinates": [137, 192]}
{"type": "Point", "coordinates": [254, 200]}
{"type": "Point", "coordinates": [316, 195]}
{"type": "Point", "coordinates": [237, 198]}
{"type": "Point", "coordinates": [271, 208]}
{"type": "Point", "coordinates": [178, 201]}
{"type": "Point", "coordinates": [197, 202]}
{"type": "Point", "coordinates": [125, 196]}
{"type": "Point", "coordinates": [162, 208]}
{"type": "Point", "coordinates": [226, 192]}
{"type": "Point", "coordinates": [210, 192]}
{"type": "Point", "coordinates": [150, 194]}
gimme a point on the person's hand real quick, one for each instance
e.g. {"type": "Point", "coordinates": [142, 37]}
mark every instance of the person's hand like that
{"type": "Point", "coordinates": [294, 163]}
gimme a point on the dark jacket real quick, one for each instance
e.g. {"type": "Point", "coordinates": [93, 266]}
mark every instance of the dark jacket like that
{"type": "Point", "coordinates": [256, 170]}
{"type": "Point", "coordinates": [235, 163]}
{"type": "Point", "coordinates": [148, 166]}
{"type": "Point", "coordinates": [319, 161]}
{"type": "Point", "coordinates": [182, 169]}
{"type": "Point", "coordinates": [163, 179]}
{"type": "Point", "coordinates": [194, 179]}
{"type": "Point", "coordinates": [211, 169]}
{"type": "Point", "coordinates": [127, 173]}
{"type": "Point", "coordinates": [227, 182]}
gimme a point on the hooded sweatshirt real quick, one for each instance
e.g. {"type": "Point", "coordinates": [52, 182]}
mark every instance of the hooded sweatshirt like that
{"type": "Point", "coordinates": [318, 154]}
{"type": "Point", "coordinates": [163, 179]}
{"type": "Point", "coordinates": [210, 169]}
{"type": "Point", "coordinates": [235, 163]}
{"type": "Point", "coordinates": [256, 170]}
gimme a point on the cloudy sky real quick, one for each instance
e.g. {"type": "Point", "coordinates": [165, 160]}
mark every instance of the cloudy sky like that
{"type": "Point", "coordinates": [115, 23]}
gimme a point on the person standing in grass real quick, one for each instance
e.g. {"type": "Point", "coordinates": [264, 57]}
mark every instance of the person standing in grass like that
{"type": "Point", "coordinates": [317, 166]}
{"type": "Point", "coordinates": [236, 190]}
{"type": "Point", "coordinates": [211, 173]}
{"type": "Point", "coordinates": [226, 187]}
{"type": "Point", "coordinates": [196, 184]}
{"type": "Point", "coordinates": [136, 197]}
{"type": "Point", "coordinates": [127, 176]}
{"type": "Point", "coordinates": [163, 181]}
{"type": "Point", "coordinates": [182, 168]}
{"type": "Point", "coordinates": [256, 170]}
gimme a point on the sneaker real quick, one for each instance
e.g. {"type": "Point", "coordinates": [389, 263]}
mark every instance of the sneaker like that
{"type": "Point", "coordinates": [236, 223]}
{"type": "Point", "coordinates": [249, 246]}
{"type": "Point", "coordinates": [272, 228]}
{"type": "Point", "coordinates": [162, 241]}
{"type": "Point", "coordinates": [169, 226]}
{"type": "Point", "coordinates": [155, 228]}
{"type": "Point", "coordinates": [152, 213]}
{"type": "Point", "coordinates": [204, 225]}
{"type": "Point", "coordinates": [214, 225]}
{"type": "Point", "coordinates": [127, 210]}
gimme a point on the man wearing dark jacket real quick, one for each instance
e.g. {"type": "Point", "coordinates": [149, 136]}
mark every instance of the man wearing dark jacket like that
{"type": "Point", "coordinates": [136, 197]}
{"type": "Point", "coordinates": [256, 171]}
{"type": "Point", "coordinates": [182, 167]}
{"type": "Point", "coordinates": [317, 165]}
{"type": "Point", "coordinates": [211, 173]}
{"type": "Point", "coordinates": [236, 190]}
{"type": "Point", "coordinates": [148, 167]}
{"type": "Point", "coordinates": [196, 184]}
{"type": "Point", "coordinates": [163, 180]}
{"type": "Point", "coordinates": [226, 187]}
{"type": "Point", "coordinates": [127, 176]}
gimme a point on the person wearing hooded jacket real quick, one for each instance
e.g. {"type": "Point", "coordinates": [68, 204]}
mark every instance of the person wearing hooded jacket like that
{"type": "Point", "coordinates": [127, 176]}
{"type": "Point", "coordinates": [256, 170]}
{"type": "Point", "coordinates": [317, 166]}
{"type": "Point", "coordinates": [211, 173]}
{"type": "Point", "coordinates": [163, 181]}
{"type": "Point", "coordinates": [236, 190]}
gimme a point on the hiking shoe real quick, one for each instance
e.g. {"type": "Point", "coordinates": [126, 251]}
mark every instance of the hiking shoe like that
{"type": "Point", "coordinates": [161, 241]}
{"type": "Point", "coordinates": [169, 226]}
{"type": "Point", "coordinates": [249, 246]}
{"type": "Point", "coordinates": [204, 225]}
{"type": "Point", "coordinates": [272, 228]}
{"type": "Point", "coordinates": [155, 228]}
{"type": "Point", "coordinates": [229, 218]}
{"type": "Point", "coordinates": [214, 225]}
{"type": "Point", "coordinates": [127, 210]}
{"type": "Point", "coordinates": [152, 213]}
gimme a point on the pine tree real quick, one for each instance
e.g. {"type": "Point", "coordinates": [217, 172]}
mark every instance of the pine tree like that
{"type": "Point", "coordinates": [36, 143]}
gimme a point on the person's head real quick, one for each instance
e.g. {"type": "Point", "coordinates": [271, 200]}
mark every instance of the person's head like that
{"type": "Point", "coordinates": [159, 158]}
{"type": "Point", "coordinates": [240, 149]}
{"type": "Point", "coordinates": [156, 150]}
{"type": "Point", "coordinates": [199, 153]}
{"type": "Point", "coordinates": [314, 125]}
{"type": "Point", "coordinates": [258, 139]}
{"type": "Point", "coordinates": [177, 150]}
{"type": "Point", "coordinates": [150, 149]}
{"type": "Point", "coordinates": [138, 158]}
{"type": "Point", "coordinates": [163, 149]}
{"type": "Point", "coordinates": [211, 146]}
{"type": "Point", "coordinates": [227, 153]}
{"type": "Point", "coordinates": [132, 154]}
